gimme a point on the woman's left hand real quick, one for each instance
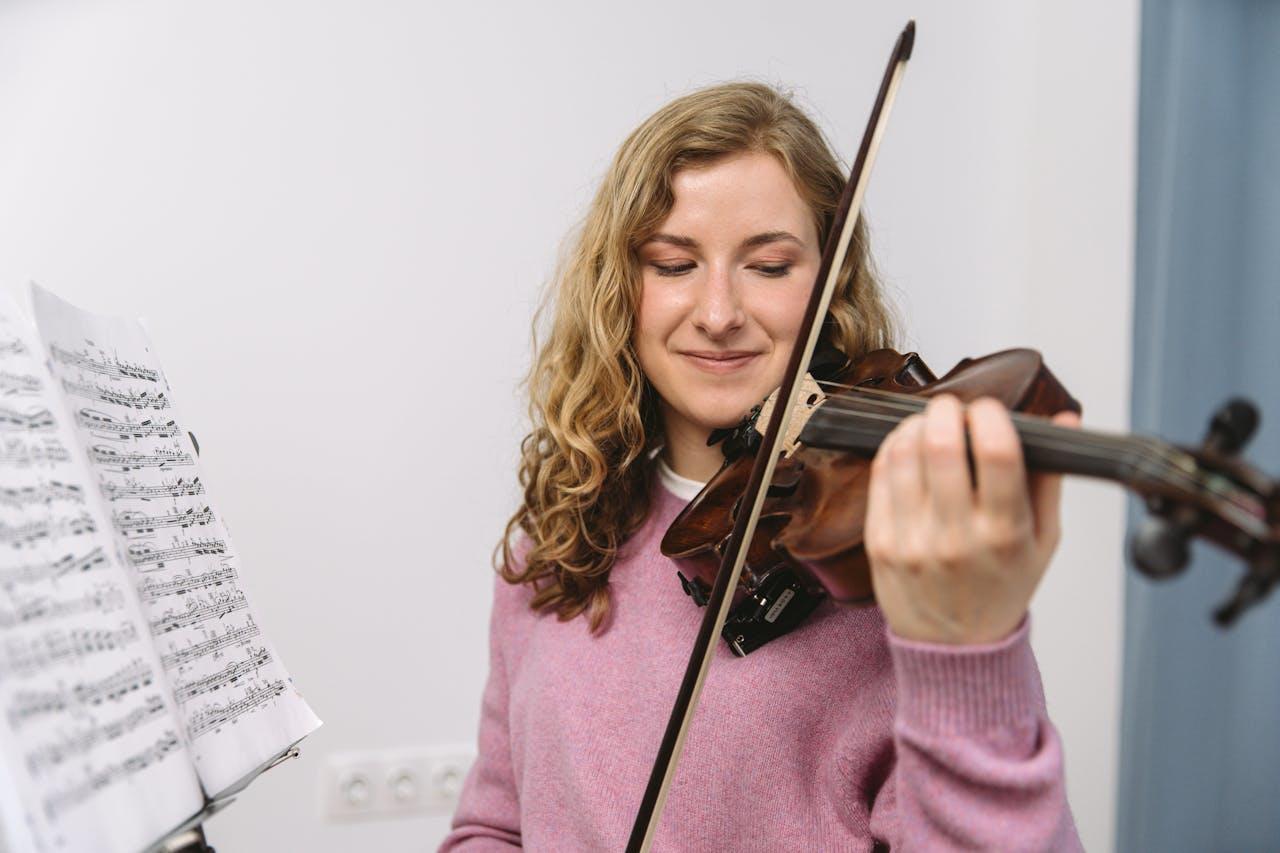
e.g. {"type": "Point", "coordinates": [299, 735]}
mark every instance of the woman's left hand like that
{"type": "Point", "coordinates": [954, 561]}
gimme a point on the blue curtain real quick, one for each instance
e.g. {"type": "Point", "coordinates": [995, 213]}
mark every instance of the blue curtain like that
{"type": "Point", "coordinates": [1200, 739]}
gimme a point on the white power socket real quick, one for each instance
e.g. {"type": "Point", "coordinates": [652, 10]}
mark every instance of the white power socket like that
{"type": "Point", "coordinates": [418, 780]}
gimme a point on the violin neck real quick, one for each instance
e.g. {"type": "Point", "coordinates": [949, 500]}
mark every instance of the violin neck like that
{"type": "Point", "coordinates": [853, 425]}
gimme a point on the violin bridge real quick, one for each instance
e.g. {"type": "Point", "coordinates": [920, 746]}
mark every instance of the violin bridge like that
{"type": "Point", "coordinates": [809, 398]}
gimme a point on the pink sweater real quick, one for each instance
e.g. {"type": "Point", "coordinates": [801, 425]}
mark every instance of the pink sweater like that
{"type": "Point", "coordinates": [835, 737]}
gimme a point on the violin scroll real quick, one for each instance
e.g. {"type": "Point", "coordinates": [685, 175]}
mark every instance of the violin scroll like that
{"type": "Point", "coordinates": [1208, 492]}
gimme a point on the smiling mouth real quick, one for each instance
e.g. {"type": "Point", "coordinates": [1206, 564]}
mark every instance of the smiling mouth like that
{"type": "Point", "coordinates": [720, 362]}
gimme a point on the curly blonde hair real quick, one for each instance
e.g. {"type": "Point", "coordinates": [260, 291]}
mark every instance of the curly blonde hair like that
{"type": "Point", "coordinates": [585, 466]}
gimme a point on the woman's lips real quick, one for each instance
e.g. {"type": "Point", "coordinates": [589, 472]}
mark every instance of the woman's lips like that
{"type": "Point", "coordinates": [720, 362]}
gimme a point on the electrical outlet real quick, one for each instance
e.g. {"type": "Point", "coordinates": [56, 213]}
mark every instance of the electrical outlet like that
{"type": "Point", "coordinates": [351, 786]}
{"type": "Point", "coordinates": [448, 772]}
{"type": "Point", "coordinates": [405, 780]}
{"type": "Point", "coordinates": [418, 780]}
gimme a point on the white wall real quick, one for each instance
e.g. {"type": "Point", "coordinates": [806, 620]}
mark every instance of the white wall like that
{"type": "Point", "coordinates": [336, 217]}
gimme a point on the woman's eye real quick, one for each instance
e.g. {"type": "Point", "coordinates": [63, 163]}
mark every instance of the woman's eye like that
{"type": "Point", "coordinates": [773, 270]}
{"type": "Point", "coordinates": [673, 269]}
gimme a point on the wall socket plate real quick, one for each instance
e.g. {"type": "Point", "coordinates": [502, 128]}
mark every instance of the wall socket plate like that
{"type": "Point", "coordinates": [411, 780]}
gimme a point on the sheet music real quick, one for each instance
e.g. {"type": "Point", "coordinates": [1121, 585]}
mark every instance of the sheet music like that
{"type": "Point", "coordinates": [93, 755]}
{"type": "Point", "coordinates": [237, 703]}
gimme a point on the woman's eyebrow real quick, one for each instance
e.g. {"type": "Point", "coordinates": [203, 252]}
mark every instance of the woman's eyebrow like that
{"type": "Point", "coordinates": [751, 242]}
{"type": "Point", "coordinates": [771, 237]}
{"type": "Point", "coordinates": [674, 240]}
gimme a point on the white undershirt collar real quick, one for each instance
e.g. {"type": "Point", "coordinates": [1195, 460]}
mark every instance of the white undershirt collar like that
{"type": "Point", "coordinates": [681, 487]}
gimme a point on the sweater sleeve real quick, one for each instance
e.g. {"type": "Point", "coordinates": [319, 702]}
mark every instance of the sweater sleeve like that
{"type": "Point", "coordinates": [979, 765]}
{"type": "Point", "coordinates": [488, 814]}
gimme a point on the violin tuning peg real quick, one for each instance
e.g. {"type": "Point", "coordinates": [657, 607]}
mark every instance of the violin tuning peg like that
{"type": "Point", "coordinates": [1229, 611]}
{"type": "Point", "coordinates": [1253, 588]}
{"type": "Point", "coordinates": [1232, 426]}
{"type": "Point", "coordinates": [1159, 548]}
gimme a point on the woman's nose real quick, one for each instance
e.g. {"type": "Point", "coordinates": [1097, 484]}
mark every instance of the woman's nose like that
{"type": "Point", "coordinates": [719, 310]}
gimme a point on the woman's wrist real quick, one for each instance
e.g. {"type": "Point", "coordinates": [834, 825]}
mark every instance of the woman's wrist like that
{"type": "Point", "coordinates": [975, 633]}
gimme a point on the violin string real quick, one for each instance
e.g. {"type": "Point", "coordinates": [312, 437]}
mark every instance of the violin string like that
{"type": "Point", "coordinates": [1075, 448]}
{"type": "Point", "coordinates": [1079, 443]}
{"type": "Point", "coordinates": [1091, 444]}
{"type": "Point", "coordinates": [912, 404]}
{"type": "Point", "coordinates": [1157, 458]}
{"type": "Point", "coordinates": [1076, 443]}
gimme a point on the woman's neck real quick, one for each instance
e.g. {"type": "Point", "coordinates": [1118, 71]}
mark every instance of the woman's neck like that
{"type": "Point", "coordinates": [686, 451]}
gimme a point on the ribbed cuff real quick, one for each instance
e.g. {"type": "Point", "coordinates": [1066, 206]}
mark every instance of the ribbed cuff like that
{"type": "Point", "coordinates": [950, 689]}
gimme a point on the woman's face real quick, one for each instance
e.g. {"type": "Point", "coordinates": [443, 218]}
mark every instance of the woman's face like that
{"type": "Point", "coordinates": [725, 281]}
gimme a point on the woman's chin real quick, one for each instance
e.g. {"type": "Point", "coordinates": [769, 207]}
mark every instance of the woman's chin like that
{"type": "Point", "coordinates": [714, 408]}
{"type": "Point", "coordinates": [727, 417]}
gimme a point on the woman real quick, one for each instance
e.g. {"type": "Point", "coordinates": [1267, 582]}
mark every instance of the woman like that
{"type": "Point", "coordinates": [917, 725]}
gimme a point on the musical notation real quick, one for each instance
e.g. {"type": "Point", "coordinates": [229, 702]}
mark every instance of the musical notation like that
{"type": "Point", "coordinates": [28, 705]}
{"type": "Point", "coordinates": [21, 384]}
{"type": "Point", "coordinates": [211, 647]}
{"type": "Point", "coordinates": [106, 599]}
{"type": "Point", "coordinates": [13, 346]}
{"type": "Point", "coordinates": [136, 458]}
{"type": "Point", "coordinates": [198, 611]}
{"type": "Point", "coordinates": [214, 715]}
{"type": "Point", "coordinates": [195, 615]}
{"type": "Point", "coordinates": [106, 365]}
{"type": "Point", "coordinates": [136, 489]}
{"type": "Point", "coordinates": [22, 453]}
{"type": "Point", "coordinates": [52, 569]}
{"type": "Point", "coordinates": [50, 755]}
{"type": "Point", "coordinates": [103, 424]}
{"type": "Point", "coordinates": [152, 588]}
{"type": "Point", "coordinates": [73, 795]}
{"type": "Point", "coordinates": [79, 679]}
{"type": "Point", "coordinates": [133, 522]}
{"type": "Point", "coordinates": [186, 549]}
{"type": "Point", "coordinates": [29, 533]}
{"type": "Point", "coordinates": [119, 684]}
{"type": "Point", "coordinates": [255, 658]}
{"type": "Point", "coordinates": [59, 646]}
{"type": "Point", "coordinates": [119, 396]}
{"type": "Point", "coordinates": [43, 492]}
{"type": "Point", "coordinates": [164, 457]}
{"type": "Point", "coordinates": [38, 421]}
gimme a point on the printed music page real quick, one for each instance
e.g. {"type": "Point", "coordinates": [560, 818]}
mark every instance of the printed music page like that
{"type": "Point", "coordinates": [237, 704]}
{"type": "Point", "coordinates": [94, 757]}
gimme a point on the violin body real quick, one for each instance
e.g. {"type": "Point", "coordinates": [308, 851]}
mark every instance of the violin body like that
{"type": "Point", "coordinates": [808, 542]}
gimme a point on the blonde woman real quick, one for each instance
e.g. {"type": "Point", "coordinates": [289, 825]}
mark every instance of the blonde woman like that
{"type": "Point", "coordinates": [918, 724]}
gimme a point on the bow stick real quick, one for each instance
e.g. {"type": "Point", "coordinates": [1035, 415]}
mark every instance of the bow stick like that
{"type": "Point", "coordinates": [744, 527]}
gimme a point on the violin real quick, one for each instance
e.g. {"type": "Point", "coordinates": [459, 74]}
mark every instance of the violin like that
{"type": "Point", "coordinates": [779, 528]}
{"type": "Point", "coordinates": [808, 540]}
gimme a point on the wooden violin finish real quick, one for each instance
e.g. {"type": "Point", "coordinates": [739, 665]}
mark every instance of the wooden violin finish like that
{"type": "Point", "coordinates": [812, 521]}
{"type": "Point", "coordinates": [809, 537]}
